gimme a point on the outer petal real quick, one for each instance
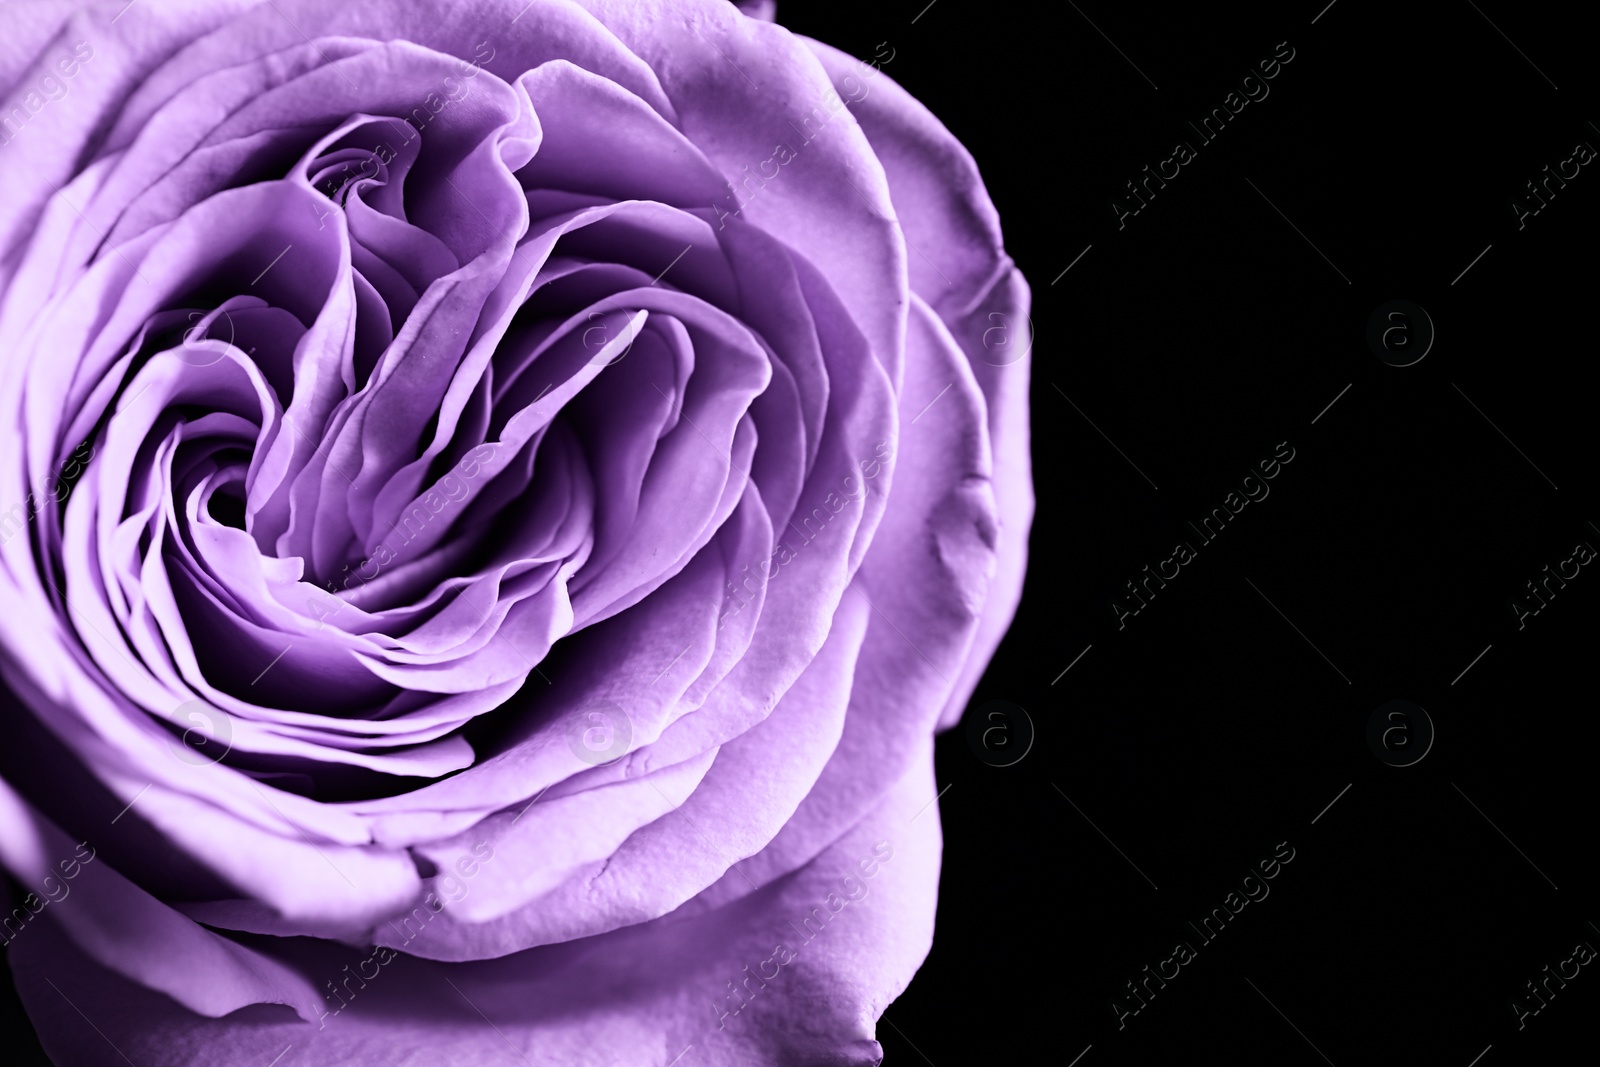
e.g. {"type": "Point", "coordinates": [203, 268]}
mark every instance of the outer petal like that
{"type": "Point", "coordinates": [33, 36]}
{"type": "Point", "coordinates": [646, 995]}
{"type": "Point", "coordinates": [134, 934]}
{"type": "Point", "coordinates": [923, 583]}
{"type": "Point", "coordinates": [959, 266]}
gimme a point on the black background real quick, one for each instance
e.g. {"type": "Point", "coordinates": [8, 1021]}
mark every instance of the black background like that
{"type": "Point", "coordinates": [1228, 714]}
{"type": "Point", "coordinates": [1213, 725]}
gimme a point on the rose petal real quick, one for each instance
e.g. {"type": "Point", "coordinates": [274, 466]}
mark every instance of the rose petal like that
{"type": "Point", "coordinates": [960, 267]}
{"type": "Point", "coordinates": [123, 928]}
{"type": "Point", "coordinates": [849, 959]}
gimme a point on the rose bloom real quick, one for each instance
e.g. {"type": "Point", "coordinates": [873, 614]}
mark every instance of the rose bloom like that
{"type": "Point", "coordinates": [499, 499]}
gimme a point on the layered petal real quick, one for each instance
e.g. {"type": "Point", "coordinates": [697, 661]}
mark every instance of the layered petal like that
{"type": "Point", "coordinates": [796, 973]}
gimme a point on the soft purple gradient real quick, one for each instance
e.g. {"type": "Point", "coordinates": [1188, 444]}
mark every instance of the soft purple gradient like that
{"type": "Point", "coordinates": [442, 392]}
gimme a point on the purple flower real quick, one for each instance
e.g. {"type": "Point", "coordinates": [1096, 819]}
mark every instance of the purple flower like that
{"type": "Point", "coordinates": [505, 494]}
